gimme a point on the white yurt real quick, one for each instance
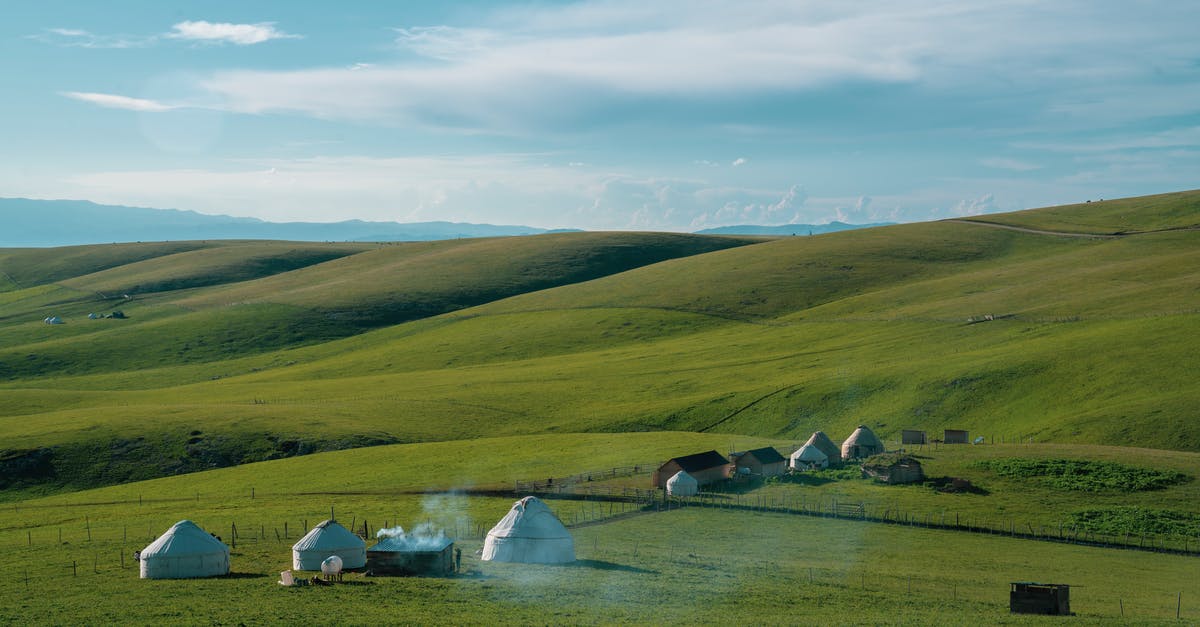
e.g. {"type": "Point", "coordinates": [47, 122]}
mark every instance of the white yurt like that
{"type": "Point", "coordinates": [808, 457]}
{"type": "Point", "coordinates": [682, 484]}
{"type": "Point", "coordinates": [327, 539]}
{"type": "Point", "coordinates": [861, 444]}
{"type": "Point", "coordinates": [184, 551]}
{"type": "Point", "coordinates": [529, 533]}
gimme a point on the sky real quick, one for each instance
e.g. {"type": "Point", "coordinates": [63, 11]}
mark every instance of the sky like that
{"type": "Point", "coordinates": [607, 114]}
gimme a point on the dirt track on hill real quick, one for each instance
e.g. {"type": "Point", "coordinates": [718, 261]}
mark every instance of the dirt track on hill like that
{"type": "Point", "coordinates": [1021, 229]}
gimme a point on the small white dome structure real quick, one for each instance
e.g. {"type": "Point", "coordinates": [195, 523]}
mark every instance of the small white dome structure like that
{"type": "Point", "coordinates": [331, 565]}
{"type": "Point", "coordinates": [184, 551]}
{"type": "Point", "coordinates": [682, 484]}
{"type": "Point", "coordinates": [529, 533]}
{"type": "Point", "coordinates": [329, 539]}
{"type": "Point", "coordinates": [808, 457]}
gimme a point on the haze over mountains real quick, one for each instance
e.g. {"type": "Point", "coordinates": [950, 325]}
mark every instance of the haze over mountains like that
{"type": "Point", "coordinates": [47, 223]}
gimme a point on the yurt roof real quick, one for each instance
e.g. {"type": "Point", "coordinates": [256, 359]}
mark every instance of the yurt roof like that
{"type": "Point", "coordinates": [862, 436]}
{"type": "Point", "coordinates": [328, 536]}
{"type": "Point", "coordinates": [822, 442]}
{"type": "Point", "coordinates": [185, 538]}
{"type": "Point", "coordinates": [810, 453]}
{"type": "Point", "coordinates": [530, 518]}
{"type": "Point", "coordinates": [682, 477]}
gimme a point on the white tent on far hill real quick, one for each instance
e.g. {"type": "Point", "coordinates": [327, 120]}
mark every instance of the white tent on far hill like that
{"type": "Point", "coordinates": [326, 539]}
{"type": "Point", "coordinates": [183, 552]}
{"type": "Point", "coordinates": [682, 484]}
{"type": "Point", "coordinates": [808, 457]}
{"type": "Point", "coordinates": [529, 533]}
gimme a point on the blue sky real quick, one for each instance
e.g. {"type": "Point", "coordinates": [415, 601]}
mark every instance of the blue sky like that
{"type": "Point", "coordinates": [666, 115]}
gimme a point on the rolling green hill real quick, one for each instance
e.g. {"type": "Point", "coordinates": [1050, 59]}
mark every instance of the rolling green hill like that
{"type": "Point", "coordinates": [947, 324]}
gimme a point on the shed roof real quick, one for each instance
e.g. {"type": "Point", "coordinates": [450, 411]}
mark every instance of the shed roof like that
{"type": "Point", "coordinates": [700, 461]}
{"type": "Point", "coordinates": [766, 455]}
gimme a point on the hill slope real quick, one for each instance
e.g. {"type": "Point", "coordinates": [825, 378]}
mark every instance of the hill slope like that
{"type": "Point", "coordinates": [940, 325]}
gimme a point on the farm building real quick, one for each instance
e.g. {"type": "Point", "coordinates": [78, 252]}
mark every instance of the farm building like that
{"type": "Point", "coordinates": [530, 533]}
{"type": "Point", "coordinates": [765, 461]}
{"type": "Point", "coordinates": [826, 446]}
{"type": "Point", "coordinates": [682, 484]}
{"type": "Point", "coordinates": [956, 436]}
{"type": "Point", "coordinates": [705, 468]}
{"type": "Point", "coordinates": [892, 468]}
{"type": "Point", "coordinates": [405, 555]}
{"type": "Point", "coordinates": [861, 444]}
{"type": "Point", "coordinates": [329, 538]}
{"type": "Point", "coordinates": [1039, 598]}
{"type": "Point", "coordinates": [910, 436]}
{"type": "Point", "coordinates": [184, 551]}
{"type": "Point", "coordinates": [808, 457]}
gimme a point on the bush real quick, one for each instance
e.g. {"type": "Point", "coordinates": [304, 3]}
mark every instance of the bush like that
{"type": "Point", "coordinates": [1138, 520]}
{"type": "Point", "coordinates": [1084, 475]}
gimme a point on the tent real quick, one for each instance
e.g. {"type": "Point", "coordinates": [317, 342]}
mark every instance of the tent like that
{"type": "Point", "coordinates": [184, 551]}
{"type": "Point", "coordinates": [682, 484]}
{"type": "Point", "coordinates": [861, 444]}
{"type": "Point", "coordinates": [808, 457]}
{"type": "Point", "coordinates": [529, 533]}
{"type": "Point", "coordinates": [54, 320]}
{"type": "Point", "coordinates": [326, 539]}
{"type": "Point", "coordinates": [826, 446]}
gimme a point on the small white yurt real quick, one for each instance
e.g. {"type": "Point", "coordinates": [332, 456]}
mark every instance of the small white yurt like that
{"type": "Point", "coordinates": [327, 539]}
{"type": "Point", "coordinates": [682, 484]}
{"type": "Point", "coordinates": [529, 533]}
{"type": "Point", "coordinates": [183, 552]}
{"type": "Point", "coordinates": [808, 457]}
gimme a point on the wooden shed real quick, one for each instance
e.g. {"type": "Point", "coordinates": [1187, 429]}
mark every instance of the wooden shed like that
{"type": "Point", "coordinates": [705, 468]}
{"type": "Point", "coordinates": [1039, 598]}
{"type": "Point", "coordinates": [893, 468]}
{"type": "Point", "coordinates": [766, 462]}
{"type": "Point", "coordinates": [911, 436]}
{"type": "Point", "coordinates": [956, 436]}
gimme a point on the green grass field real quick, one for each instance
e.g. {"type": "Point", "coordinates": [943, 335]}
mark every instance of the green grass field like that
{"type": "Point", "coordinates": [687, 566]}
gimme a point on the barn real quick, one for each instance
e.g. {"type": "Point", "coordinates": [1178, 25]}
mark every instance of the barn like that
{"type": "Point", "coordinates": [861, 444]}
{"type": "Point", "coordinates": [1039, 598]}
{"type": "Point", "coordinates": [705, 468]}
{"type": "Point", "coordinates": [956, 436]}
{"type": "Point", "coordinates": [912, 436]}
{"type": "Point", "coordinates": [766, 462]}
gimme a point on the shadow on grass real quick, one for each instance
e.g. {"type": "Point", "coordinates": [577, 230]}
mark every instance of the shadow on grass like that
{"type": "Point", "coordinates": [246, 576]}
{"type": "Point", "coordinates": [954, 485]}
{"type": "Point", "coordinates": [603, 565]}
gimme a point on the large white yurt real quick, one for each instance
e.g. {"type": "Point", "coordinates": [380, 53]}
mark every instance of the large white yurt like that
{"type": "Point", "coordinates": [184, 551]}
{"type": "Point", "coordinates": [682, 484]}
{"type": "Point", "coordinates": [326, 539]}
{"type": "Point", "coordinates": [529, 533]}
{"type": "Point", "coordinates": [861, 444]}
{"type": "Point", "coordinates": [808, 457]}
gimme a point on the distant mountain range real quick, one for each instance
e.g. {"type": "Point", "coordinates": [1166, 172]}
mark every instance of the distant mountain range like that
{"type": "Point", "coordinates": [43, 223]}
{"type": "Point", "coordinates": [787, 229]}
{"type": "Point", "coordinates": [25, 222]}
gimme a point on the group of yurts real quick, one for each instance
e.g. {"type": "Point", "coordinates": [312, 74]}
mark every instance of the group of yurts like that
{"type": "Point", "coordinates": [529, 533]}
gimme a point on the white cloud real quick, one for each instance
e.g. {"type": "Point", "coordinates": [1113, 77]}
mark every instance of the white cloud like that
{"type": "Point", "coordinates": [224, 32]}
{"type": "Point", "coordinates": [739, 161]}
{"type": "Point", "coordinates": [113, 101]}
{"type": "Point", "coordinates": [79, 38]}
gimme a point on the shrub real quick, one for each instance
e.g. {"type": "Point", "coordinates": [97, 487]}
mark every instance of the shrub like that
{"type": "Point", "coordinates": [1085, 475]}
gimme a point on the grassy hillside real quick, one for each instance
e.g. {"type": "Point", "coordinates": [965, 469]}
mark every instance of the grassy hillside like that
{"type": "Point", "coordinates": [936, 325]}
